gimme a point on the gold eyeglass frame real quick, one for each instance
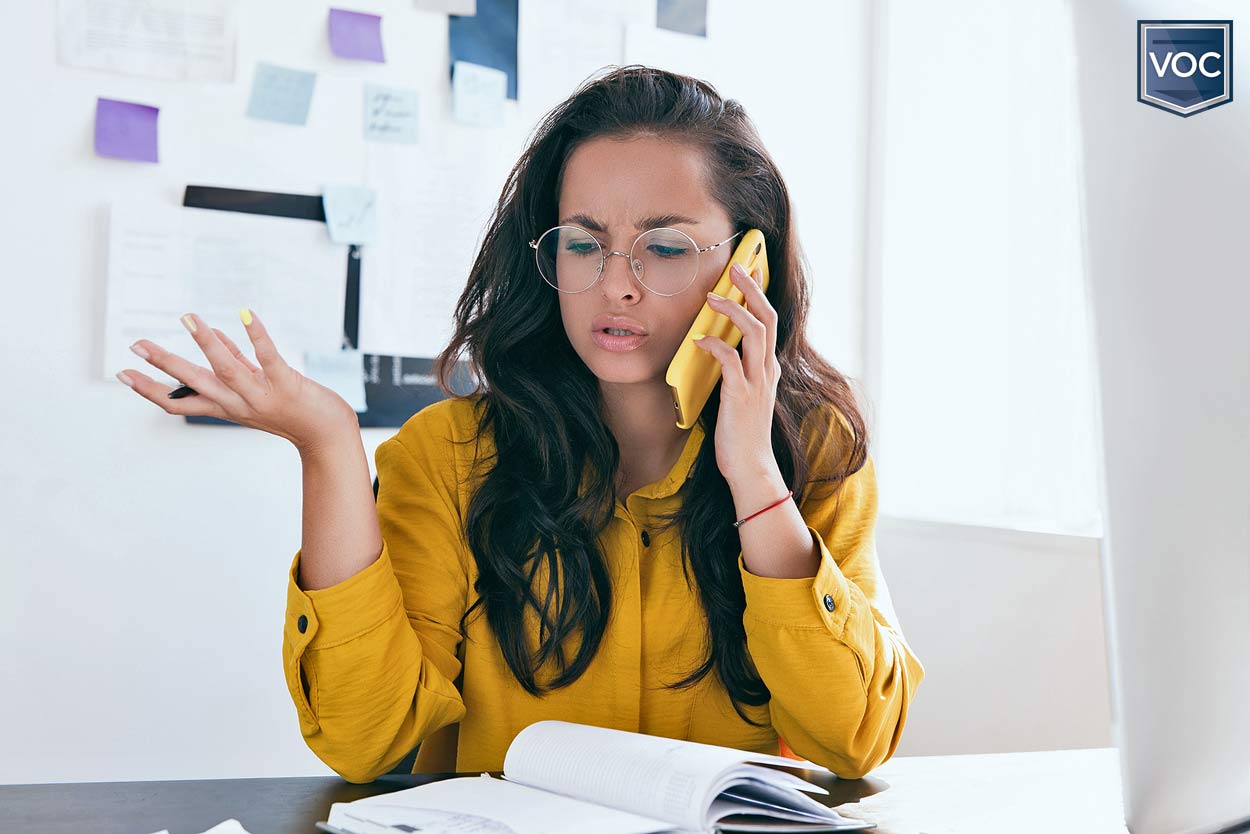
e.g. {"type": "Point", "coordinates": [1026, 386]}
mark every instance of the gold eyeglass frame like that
{"type": "Point", "coordinates": [603, 257]}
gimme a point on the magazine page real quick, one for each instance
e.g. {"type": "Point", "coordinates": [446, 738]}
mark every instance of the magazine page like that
{"type": "Point", "coordinates": [483, 805]}
{"type": "Point", "coordinates": [663, 778]}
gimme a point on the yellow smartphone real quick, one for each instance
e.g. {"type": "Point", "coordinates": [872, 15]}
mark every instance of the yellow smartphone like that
{"type": "Point", "coordinates": [693, 373]}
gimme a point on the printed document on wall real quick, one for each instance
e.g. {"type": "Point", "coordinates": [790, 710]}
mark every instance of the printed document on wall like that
{"type": "Point", "coordinates": [433, 210]}
{"type": "Point", "coordinates": [166, 260]}
{"type": "Point", "coordinates": [177, 40]}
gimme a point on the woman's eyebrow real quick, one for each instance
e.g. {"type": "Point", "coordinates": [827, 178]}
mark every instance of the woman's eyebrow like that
{"type": "Point", "coordinates": [642, 224]}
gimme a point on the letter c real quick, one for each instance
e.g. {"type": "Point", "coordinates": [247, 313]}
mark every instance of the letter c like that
{"type": "Point", "coordinates": [1202, 64]}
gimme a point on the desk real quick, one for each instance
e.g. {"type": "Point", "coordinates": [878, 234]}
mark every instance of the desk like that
{"type": "Point", "coordinates": [1071, 791]}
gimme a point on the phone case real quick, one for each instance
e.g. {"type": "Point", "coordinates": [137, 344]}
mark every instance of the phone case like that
{"type": "Point", "coordinates": [693, 372]}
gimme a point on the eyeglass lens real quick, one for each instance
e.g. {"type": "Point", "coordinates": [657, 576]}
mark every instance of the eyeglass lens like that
{"type": "Point", "coordinates": [665, 261]}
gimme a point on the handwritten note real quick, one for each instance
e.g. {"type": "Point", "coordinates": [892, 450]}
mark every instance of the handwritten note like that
{"type": "Point", "coordinates": [390, 114]}
{"type": "Point", "coordinates": [342, 371]}
{"type": "Point", "coordinates": [356, 35]}
{"type": "Point", "coordinates": [351, 213]}
{"type": "Point", "coordinates": [125, 130]}
{"type": "Point", "coordinates": [280, 94]}
{"type": "Point", "coordinates": [478, 94]}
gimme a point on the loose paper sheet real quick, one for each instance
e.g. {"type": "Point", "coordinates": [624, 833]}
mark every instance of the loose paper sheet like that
{"type": "Point", "coordinates": [177, 40]}
{"type": "Point", "coordinates": [166, 260]}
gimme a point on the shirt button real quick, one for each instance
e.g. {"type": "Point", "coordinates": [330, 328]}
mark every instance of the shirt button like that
{"type": "Point", "coordinates": [646, 539]}
{"type": "Point", "coordinates": [828, 602]}
{"type": "Point", "coordinates": [302, 624]}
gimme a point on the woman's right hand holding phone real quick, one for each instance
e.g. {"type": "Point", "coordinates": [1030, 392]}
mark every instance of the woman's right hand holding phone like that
{"type": "Point", "coordinates": [274, 397]}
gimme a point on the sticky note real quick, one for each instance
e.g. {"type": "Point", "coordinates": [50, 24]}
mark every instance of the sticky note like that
{"type": "Point", "coordinates": [478, 94]}
{"type": "Point", "coordinates": [343, 372]}
{"type": "Point", "coordinates": [463, 7]}
{"type": "Point", "coordinates": [351, 213]}
{"type": "Point", "coordinates": [488, 39]}
{"type": "Point", "coordinates": [125, 130]}
{"type": "Point", "coordinates": [280, 94]}
{"type": "Point", "coordinates": [390, 114]}
{"type": "Point", "coordinates": [688, 16]}
{"type": "Point", "coordinates": [356, 35]}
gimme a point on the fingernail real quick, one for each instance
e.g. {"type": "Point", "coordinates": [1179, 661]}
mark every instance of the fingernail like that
{"type": "Point", "coordinates": [714, 296]}
{"type": "Point", "coordinates": [124, 377]}
{"type": "Point", "coordinates": [739, 271]}
{"type": "Point", "coordinates": [188, 322]}
{"type": "Point", "coordinates": [698, 336]}
{"type": "Point", "coordinates": [139, 351]}
{"type": "Point", "coordinates": [246, 315]}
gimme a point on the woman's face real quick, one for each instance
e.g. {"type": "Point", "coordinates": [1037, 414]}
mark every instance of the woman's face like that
{"type": "Point", "coordinates": [610, 186]}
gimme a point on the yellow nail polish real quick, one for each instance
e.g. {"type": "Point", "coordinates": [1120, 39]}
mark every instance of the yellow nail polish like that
{"type": "Point", "coordinates": [246, 315]}
{"type": "Point", "coordinates": [188, 322]}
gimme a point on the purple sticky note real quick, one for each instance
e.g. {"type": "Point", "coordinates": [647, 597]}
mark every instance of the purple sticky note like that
{"type": "Point", "coordinates": [125, 130]}
{"type": "Point", "coordinates": [356, 35]}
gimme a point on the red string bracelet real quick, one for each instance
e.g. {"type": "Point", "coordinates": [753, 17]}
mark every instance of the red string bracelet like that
{"type": "Point", "coordinates": [743, 521]}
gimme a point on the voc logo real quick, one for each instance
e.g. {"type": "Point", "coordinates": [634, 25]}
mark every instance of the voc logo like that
{"type": "Point", "coordinates": [1184, 66]}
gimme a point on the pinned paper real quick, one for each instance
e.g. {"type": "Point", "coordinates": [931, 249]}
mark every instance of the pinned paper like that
{"type": "Point", "coordinates": [125, 130]}
{"type": "Point", "coordinates": [341, 371]}
{"type": "Point", "coordinates": [178, 40]}
{"type": "Point", "coordinates": [478, 94]}
{"type": "Point", "coordinates": [280, 94]}
{"type": "Point", "coordinates": [230, 826]}
{"type": "Point", "coordinates": [351, 213]}
{"type": "Point", "coordinates": [460, 7]}
{"type": "Point", "coordinates": [488, 39]}
{"type": "Point", "coordinates": [390, 114]}
{"type": "Point", "coordinates": [356, 35]}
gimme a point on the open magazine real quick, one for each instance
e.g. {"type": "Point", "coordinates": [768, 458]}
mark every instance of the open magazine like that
{"type": "Point", "coordinates": [563, 778]}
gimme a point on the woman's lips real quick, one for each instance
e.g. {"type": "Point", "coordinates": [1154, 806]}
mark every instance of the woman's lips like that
{"type": "Point", "coordinates": [617, 344]}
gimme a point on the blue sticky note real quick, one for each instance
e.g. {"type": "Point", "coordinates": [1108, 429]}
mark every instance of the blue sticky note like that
{"type": "Point", "coordinates": [487, 39]}
{"type": "Point", "coordinates": [342, 371]}
{"type": "Point", "coordinates": [390, 114]}
{"type": "Point", "coordinates": [688, 16]}
{"type": "Point", "coordinates": [478, 94]}
{"type": "Point", "coordinates": [351, 213]}
{"type": "Point", "coordinates": [280, 94]}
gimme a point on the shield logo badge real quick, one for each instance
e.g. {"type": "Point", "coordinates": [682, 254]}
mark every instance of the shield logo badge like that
{"type": "Point", "coordinates": [1185, 66]}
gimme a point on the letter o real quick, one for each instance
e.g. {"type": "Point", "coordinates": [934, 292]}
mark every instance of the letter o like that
{"type": "Point", "coordinates": [1193, 64]}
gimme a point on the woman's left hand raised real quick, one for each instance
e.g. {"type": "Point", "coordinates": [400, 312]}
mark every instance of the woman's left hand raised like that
{"type": "Point", "coordinates": [748, 391]}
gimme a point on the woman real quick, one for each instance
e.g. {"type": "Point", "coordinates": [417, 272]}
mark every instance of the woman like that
{"type": "Point", "coordinates": [432, 618]}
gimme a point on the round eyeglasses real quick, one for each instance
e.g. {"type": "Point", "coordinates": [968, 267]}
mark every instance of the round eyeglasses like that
{"type": "Point", "coordinates": [664, 260]}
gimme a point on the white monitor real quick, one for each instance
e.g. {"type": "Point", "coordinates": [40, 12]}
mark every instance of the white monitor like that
{"type": "Point", "coordinates": [1166, 221]}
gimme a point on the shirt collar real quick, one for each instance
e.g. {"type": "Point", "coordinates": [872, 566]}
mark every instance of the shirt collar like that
{"type": "Point", "coordinates": [676, 476]}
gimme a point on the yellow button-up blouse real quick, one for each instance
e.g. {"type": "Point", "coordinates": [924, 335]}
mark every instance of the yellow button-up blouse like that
{"type": "Point", "coordinates": [377, 663]}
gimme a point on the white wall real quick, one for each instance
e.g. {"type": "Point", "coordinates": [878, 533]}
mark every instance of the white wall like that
{"type": "Point", "coordinates": [985, 364]}
{"type": "Point", "coordinates": [1009, 627]}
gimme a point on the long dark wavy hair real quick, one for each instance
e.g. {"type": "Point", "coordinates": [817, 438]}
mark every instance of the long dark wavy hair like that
{"type": "Point", "coordinates": [548, 492]}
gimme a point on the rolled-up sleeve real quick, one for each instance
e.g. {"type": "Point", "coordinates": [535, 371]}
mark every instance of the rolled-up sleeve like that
{"type": "Point", "coordinates": [371, 661]}
{"type": "Point", "coordinates": [829, 647]}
